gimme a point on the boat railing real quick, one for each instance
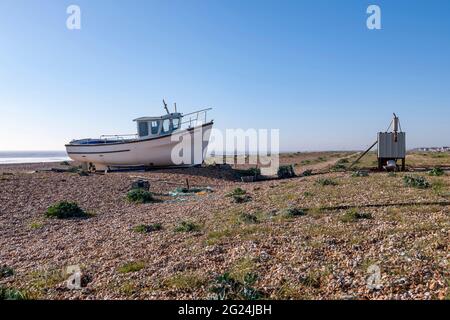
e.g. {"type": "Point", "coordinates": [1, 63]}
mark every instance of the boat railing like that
{"type": "Point", "coordinates": [107, 137]}
{"type": "Point", "coordinates": [195, 118]}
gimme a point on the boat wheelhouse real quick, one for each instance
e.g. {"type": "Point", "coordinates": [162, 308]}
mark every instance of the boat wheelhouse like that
{"type": "Point", "coordinates": [148, 127]}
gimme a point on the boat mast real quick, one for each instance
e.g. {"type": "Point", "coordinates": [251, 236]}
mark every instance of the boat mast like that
{"type": "Point", "coordinates": [165, 107]}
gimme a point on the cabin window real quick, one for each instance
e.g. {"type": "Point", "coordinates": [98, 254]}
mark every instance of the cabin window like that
{"type": "Point", "coordinates": [143, 129]}
{"type": "Point", "coordinates": [176, 123]}
{"type": "Point", "coordinates": [154, 125]}
{"type": "Point", "coordinates": [166, 126]}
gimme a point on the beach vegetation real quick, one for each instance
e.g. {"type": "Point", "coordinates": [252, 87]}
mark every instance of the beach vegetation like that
{"type": "Point", "coordinates": [326, 182]}
{"type": "Point", "coordinates": [66, 210]}
{"type": "Point", "coordinates": [292, 213]}
{"type": "Point", "coordinates": [132, 266]}
{"type": "Point", "coordinates": [184, 281]}
{"type": "Point", "coordinates": [416, 182]}
{"type": "Point", "coordinates": [226, 287]}
{"type": "Point", "coordinates": [187, 226]}
{"type": "Point", "coordinates": [353, 215]}
{"type": "Point", "coordinates": [248, 218]}
{"type": "Point", "coordinates": [437, 171]}
{"type": "Point", "coordinates": [147, 228]}
{"type": "Point", "coordinates": [6, 271]}
{"type": "Point", "coordinates": [237, 192]}
{"type": "Point", "coordinates": [140, 196]}
{"type": "Point", "coordinates": [12, 294]}
{"type": "Point", "coordinates": [312, 279]}
{"type": "Point", "coordinates": [242, 198]}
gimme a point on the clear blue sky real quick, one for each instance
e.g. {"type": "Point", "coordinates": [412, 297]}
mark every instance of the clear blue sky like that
{"type": "Point", "coordinates": [310, 68]}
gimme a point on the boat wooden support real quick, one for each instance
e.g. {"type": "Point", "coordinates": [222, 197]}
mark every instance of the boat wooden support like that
{"type": "Point", "coordinates": [363, 154]}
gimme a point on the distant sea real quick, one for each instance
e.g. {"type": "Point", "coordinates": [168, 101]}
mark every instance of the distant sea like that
{"type": "Point", "coordinates": [13, 157]}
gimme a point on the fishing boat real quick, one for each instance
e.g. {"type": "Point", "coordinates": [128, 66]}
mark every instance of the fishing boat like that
{"type": "Point", "coordinates": [156, 143]}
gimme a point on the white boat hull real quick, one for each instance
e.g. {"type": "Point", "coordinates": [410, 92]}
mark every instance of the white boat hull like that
{"type": "Point", "coordinates": [152, 152]}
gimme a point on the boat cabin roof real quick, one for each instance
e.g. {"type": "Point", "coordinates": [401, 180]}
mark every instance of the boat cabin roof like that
{"type": "Point", "coordinates": [166, 116]}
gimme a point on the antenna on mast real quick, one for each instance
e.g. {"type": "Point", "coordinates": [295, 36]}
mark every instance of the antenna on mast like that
{"type": "Point", "coordinates": [396, 124]}
{"type": "Point", "coordinates": [165, 107]}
